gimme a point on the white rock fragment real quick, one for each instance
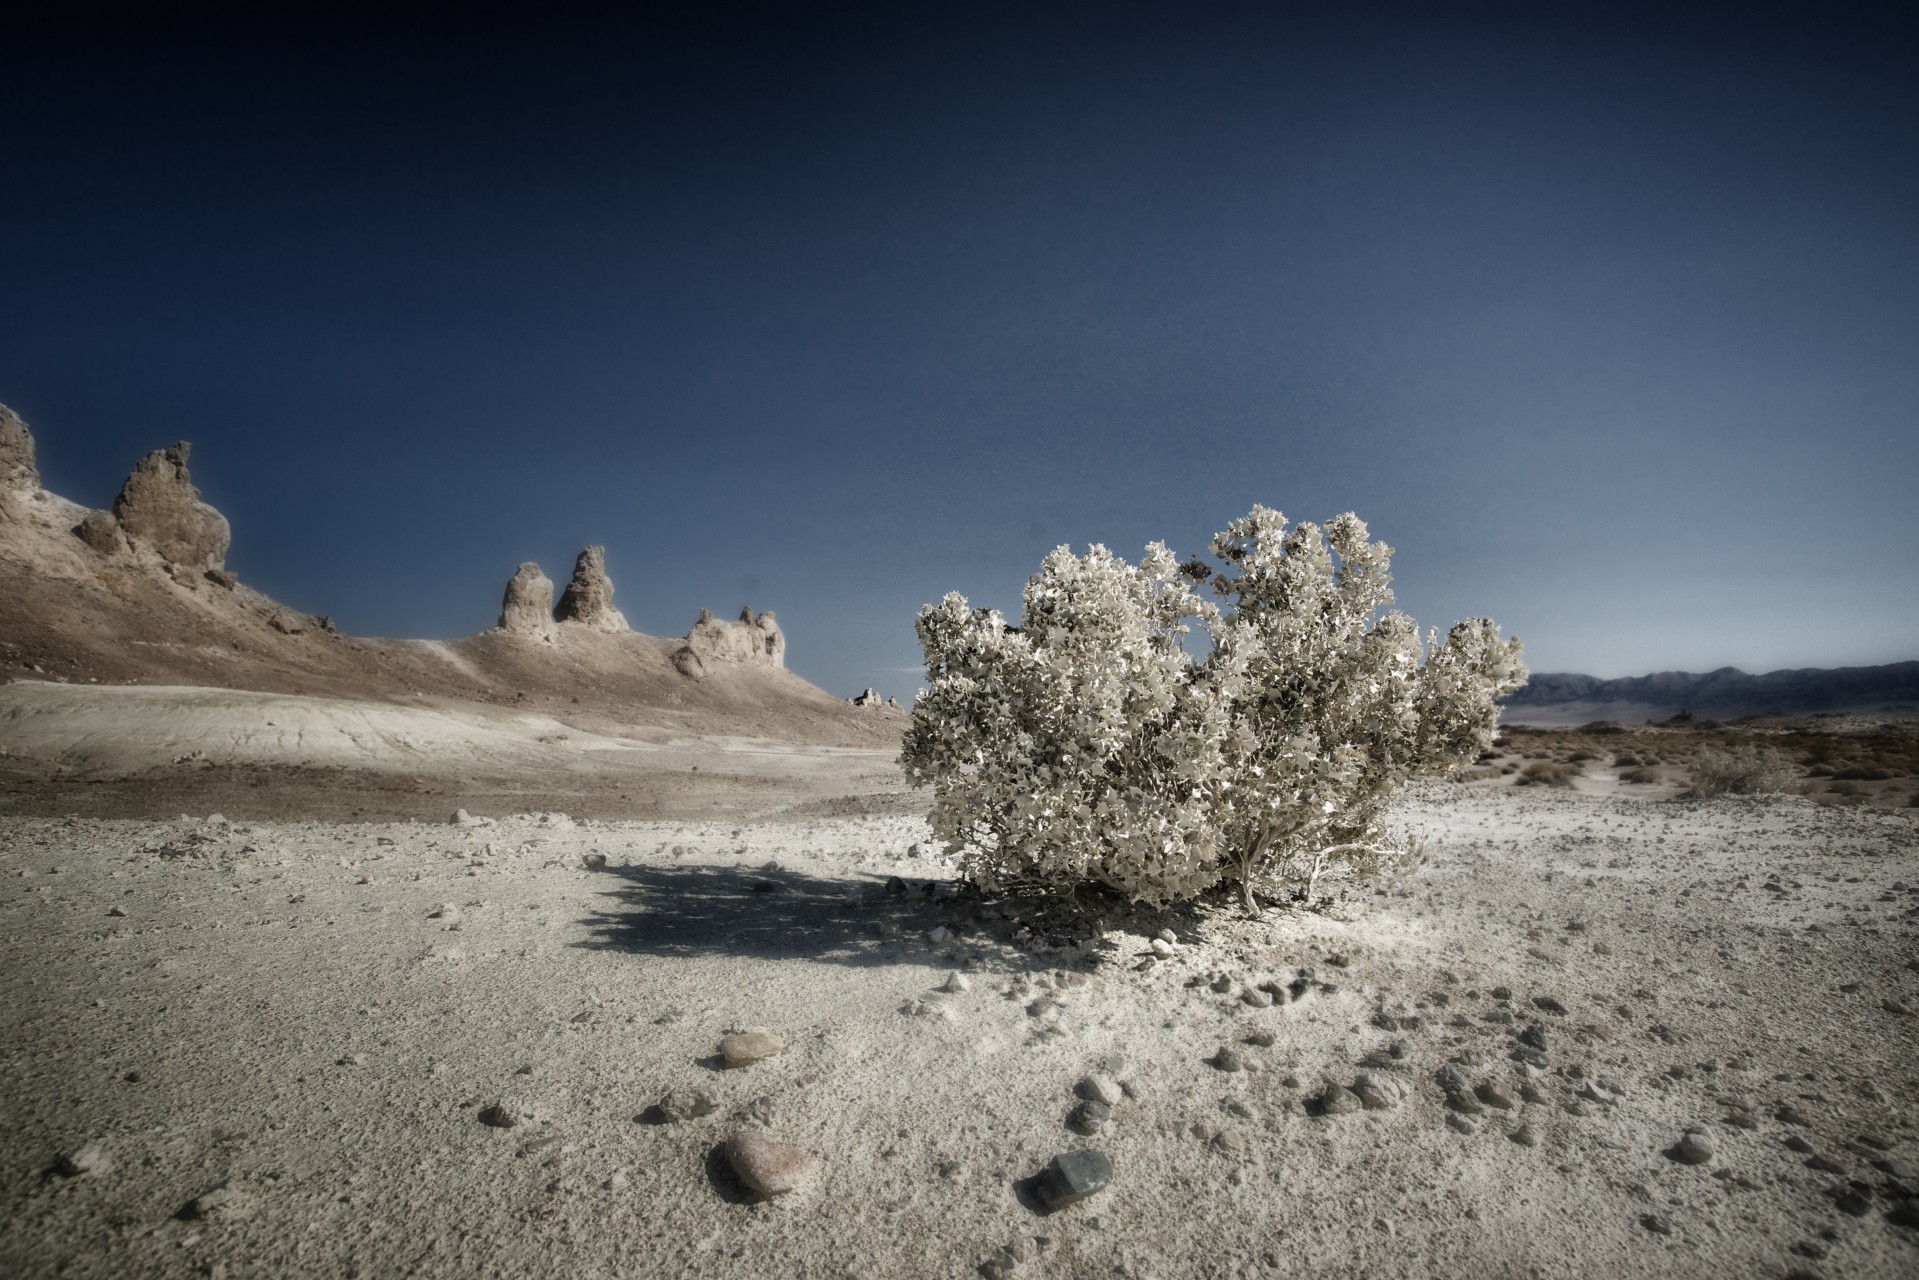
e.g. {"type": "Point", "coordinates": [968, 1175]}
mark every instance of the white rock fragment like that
{"type": "Point", "coordinates": [225, 1203]}
{"type": "Point", "coordinates": [90, 1157]}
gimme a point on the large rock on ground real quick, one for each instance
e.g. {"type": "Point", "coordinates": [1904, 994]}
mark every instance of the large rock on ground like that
{"type": "Point", "coordinates": [588, 599]}
{"type": "Point", "coordinates": [528, 607]}
{"type": "Point", "coordinates": [18, 474]}
{"type": "Point", "coordinates": [159, 507]}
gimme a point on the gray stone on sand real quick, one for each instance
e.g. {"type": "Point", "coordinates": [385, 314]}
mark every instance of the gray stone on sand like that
{"type": "Point", "coordinates": [681, 1105]}
{"type": "Point", "coordinates": [1099, 1088]}
{"type": "Point", "coordinates": [743, 1048]}
{"type": "Point", "coordinates": [225, 1203]}
{"type": "Point", "coordinates": [767, 1165]}
{"type": "Point", "coordinates": [1379, 1092]}
{"type": "Point", "coordinates": [1695, 1146]}
{"type": "Point", "coordinates": [90, 1157]}
{"type": "Point", "coordinates": [1494, 1094]}
{"type": "Point", "coordinates": [1073, 1176]}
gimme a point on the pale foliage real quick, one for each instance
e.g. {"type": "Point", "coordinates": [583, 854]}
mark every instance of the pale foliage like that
{"type": "Point", "coordinates": [1087, 746]}
{"type": "Point", "coordinates": [1745, 770]}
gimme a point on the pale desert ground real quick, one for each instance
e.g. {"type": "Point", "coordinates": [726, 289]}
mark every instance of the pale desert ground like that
{"type": "Point", "coordinates": [283, 1040]}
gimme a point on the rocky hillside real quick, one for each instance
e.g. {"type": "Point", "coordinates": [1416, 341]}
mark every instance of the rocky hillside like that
{"type": "Point", "coordinates": [141, 595]}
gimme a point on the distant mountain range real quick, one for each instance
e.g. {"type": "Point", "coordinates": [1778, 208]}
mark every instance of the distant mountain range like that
{"type": "Point", "coordinates": [1725, 694]}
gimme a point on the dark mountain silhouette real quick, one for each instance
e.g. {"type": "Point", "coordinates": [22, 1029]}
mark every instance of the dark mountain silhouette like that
{"type": "Point", "coordinates": [1727, 693]}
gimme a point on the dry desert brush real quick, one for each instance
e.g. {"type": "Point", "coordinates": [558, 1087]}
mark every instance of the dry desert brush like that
{"type": "Point", "coordinates": [1087, 746]}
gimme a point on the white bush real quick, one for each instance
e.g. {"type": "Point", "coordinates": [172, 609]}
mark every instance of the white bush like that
{"type": "Point", "coordinates": [1087, 746]}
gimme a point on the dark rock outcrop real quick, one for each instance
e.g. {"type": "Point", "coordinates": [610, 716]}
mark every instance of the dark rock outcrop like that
{"type": "Point", "coordinates": [528, 606]}
{"type": "Point", "coordinates": [159, 507]}
{"type": "Point", "coordinates": [588, 599]}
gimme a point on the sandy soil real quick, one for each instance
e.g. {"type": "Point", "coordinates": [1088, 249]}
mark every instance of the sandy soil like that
{"type": "Point", "coordinates": [116, 751]}
{"type": "Point", "coordinates": [274, 1008]}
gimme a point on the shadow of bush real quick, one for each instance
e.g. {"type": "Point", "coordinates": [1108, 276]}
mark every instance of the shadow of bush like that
{"type": "Point", "coordinates": [780, 914]}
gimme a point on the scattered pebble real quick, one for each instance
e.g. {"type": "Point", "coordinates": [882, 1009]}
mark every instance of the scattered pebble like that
{"type": "Point", "coordinates": [1099, 1088]}
{"type": "Point", "coordinates": [767, 1165]}
{"type": "Point", "coordinates": [1695, 1146]}
{"type": "Point", "coordinates": [1494, 1094]}
{"type": "Point", "coordinates": [743, 1048]}
{"type": "Point", "coordinates": [1379, 1092]}
{"type": "Point", "coordinates": [225, 1203]}
{"type": "Point", "coordinates": [681, 1105]}
{"type": "Point", "coordinates": [90, 1157]}
{"type": "Point", "coordinates": [1073, 1176]}
{"type": "Point", "coordinates": [1090, 1117]}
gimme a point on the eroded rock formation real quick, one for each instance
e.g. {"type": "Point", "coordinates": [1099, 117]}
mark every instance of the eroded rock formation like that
{"type": "Point", "coordinates": [159, 506]}
{"type": "Point", "coordinates": [18, 474]}
{"type": "Point", "coordinates": [528, 606]}
{"type": "Point", "coordinates": [753, 640]}
{"type": "Point", "coordinates": [588, 599]}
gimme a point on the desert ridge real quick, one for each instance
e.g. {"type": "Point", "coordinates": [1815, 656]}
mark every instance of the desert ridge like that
{"type": "Point", "coordinates": [141, 594]}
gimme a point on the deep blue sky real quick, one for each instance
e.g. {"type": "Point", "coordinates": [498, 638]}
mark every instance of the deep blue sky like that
{"type": "Point", "coordinates": [1609, 323]}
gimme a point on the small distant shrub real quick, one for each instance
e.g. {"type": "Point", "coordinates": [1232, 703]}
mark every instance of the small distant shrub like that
{"type": "Point", "coordinates": [1582, 755]}
{"type": "Point", "coordinates": [1626, 760]}
{"type": "Point", "coordinates": [1640, 776]}
{"type": "Point", "coordinates": [1547, 773]}
{"type": "Point", "coordinates": [1863, 773]}
{"type": "Point", "coordinates": [1741, 771]}
{"type": "Point", "coordinates": [1846, 788]}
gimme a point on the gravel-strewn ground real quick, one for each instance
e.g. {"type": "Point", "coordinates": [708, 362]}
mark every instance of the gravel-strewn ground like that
{"type": "Point", "coordinates": [274, 1008]}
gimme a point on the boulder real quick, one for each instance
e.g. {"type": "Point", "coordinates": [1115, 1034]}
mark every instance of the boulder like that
{"type": "Point", "coordinates": [588, 599]}
{"type": "Point", "coordinates": [101, 531]}
{"type": "Point", "coordinates": [159, 507]}
{"type": "Point", "coordinates": [528, 607]}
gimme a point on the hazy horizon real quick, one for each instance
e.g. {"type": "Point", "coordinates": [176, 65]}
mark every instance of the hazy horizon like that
{"type": "Point", "coordinates": [1604, 319]}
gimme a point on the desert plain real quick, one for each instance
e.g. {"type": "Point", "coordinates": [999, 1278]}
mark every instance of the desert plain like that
{"type": "Point", "coordinates": [1602, 1030]}
{"type": "Point", "coordinates": [565, 950]}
